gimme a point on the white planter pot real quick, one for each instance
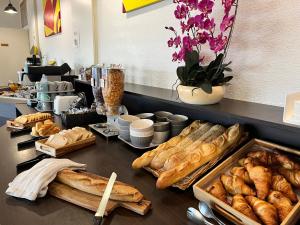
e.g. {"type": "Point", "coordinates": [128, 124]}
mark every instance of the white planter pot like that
{"type": "Point", "coordinates": [200, 97]}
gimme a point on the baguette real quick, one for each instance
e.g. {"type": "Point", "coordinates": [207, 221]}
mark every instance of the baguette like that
{"type": "Point", "coordinates": [179, 157]}
{"type": "Point", "coordinates": [96, 185]}
{"type": "Point", "coordinates": [147, 157]}
{"type": "Point", "coordinates": [199, 157]}
{"type": "Point", "coordinates": [30, 118]}
{"type": "Point", "coordinates": [160, 158]}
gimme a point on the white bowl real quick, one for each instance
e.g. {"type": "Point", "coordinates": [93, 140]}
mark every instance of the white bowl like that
{"type": "Point", "coordinates": [142, 125]}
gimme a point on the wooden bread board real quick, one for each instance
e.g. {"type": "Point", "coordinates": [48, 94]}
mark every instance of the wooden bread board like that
{"type": "Point", "coordinates": [42, 147]}
{"type": "Point", "coordinates": [226, 210]}
{"type": "Point", "coordinates": [91, 202]}
{"type": "Point", "coordinates": [186, 182]}
{"type": "Point", "coordinates": [20, 126]}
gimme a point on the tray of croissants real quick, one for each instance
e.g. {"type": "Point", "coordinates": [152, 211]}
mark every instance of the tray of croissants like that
{"type": "Point", "coordinates": [66, 141]}
{"type": "Point", "coordinates": [180, 161]}
{"type": "Point", "coordinates": [258, 184]}
{"type": "Point", "coordinates": [28, 120]}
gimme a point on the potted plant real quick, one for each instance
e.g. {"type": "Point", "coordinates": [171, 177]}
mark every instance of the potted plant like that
{"type": "Point", "coordinates": [202, 83]}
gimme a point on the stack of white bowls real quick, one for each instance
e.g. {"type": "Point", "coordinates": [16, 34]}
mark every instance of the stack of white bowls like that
{"type": "Point", "coordinates": [141, 132]}
{"type": "Point", "coordinates": [124, 122]}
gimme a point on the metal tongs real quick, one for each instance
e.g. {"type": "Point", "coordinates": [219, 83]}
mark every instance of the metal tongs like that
{"type": "Point", "coordinates": [30, 163]}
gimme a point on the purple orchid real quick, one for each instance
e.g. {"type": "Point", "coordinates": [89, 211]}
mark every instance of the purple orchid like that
{"type": "Point", "coordinates": [198, 27]}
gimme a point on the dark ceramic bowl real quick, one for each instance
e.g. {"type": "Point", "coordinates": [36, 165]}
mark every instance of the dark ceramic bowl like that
{"type": "Point", "coordinates": [149, 116]}
{"type": "Point", "coordinates": [161, 116]}
{"type": "Point", "coordinates": [161, 126]}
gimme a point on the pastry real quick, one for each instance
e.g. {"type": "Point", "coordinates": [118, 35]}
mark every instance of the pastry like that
{"type": "Point", "coordinates": [199, 157]}
{"type": "Point", "coordinates": [283, 205]}
{"type": "Point", "coordinates": [205, 137]}
{"type": "Point", "coordinates": [293, 176]}
{"type": "Point", "coordinates": [45, 128]}
{"type": "Point", "coordinates": [96, 185]}
{"type": "Point", "coordinates": [201, 133]}
{"type": "Point", "coordinates": [240, 204]}
{"type": "Point", "coordinates": [261, 177]}
{"type": "Point", "coordinates": [242, 173]}
{"type": "Point", "coordinates": [266, 212]}
{"type": "Point", "coordinates": [217, 190]}
{"type": "Point", "coordinates": [279, 183]}
{"type": "Point", "coordinates": [286, 163]}
{"type": "Point", "coordinates": [235, 185]}
{"type": "Point", "coordinates": [266, 158]}
{"type": "Point", "coordinates": [147, 157]}
{"type": "Point", "coordinates": [254, 161]}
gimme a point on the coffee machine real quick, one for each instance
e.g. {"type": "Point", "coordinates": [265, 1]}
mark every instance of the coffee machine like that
{"type": "Point", "coordinates": [108, 90]}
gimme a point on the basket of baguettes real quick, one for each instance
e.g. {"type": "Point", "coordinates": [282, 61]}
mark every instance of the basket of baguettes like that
{"type": "Point", "coordinates": [86, 189]}
{"type": "Point", "coordinates": [66, 141]}
{"type": "Point", "coordinates": [184, 158]}
{"type": "Point", "coordinates": [28, 120]}
{"type": "Point", "coordinates": [258, 184]}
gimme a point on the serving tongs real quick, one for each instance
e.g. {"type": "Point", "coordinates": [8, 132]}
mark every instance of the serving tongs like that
{"type": "Point", "coordinates": [30, 142]}
{"type": "Point", "coordinates": [15, 132]}
{"type": "Point", "coordinates": [30, 163]}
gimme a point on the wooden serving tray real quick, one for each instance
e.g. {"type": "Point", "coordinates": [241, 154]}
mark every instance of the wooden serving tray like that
{"type": "Point", "coordinates": [40, 146]}
{"type": "Point", "coordinates": [186, 182]}
{"type": "Point", "coordinates": [91, 202]}
{"type": "Point", "coordinates": [226, 210]}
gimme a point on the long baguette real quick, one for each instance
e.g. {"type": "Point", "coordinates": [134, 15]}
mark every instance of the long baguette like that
{"type": "Point", "coordinates": [147, 157]}
{"type": "Point", "coordinates": [93, 184]}
{"type": "Point", "coordinates": [209, 136]}
{"type": "Point", "coordinates": [199, 157]}
{"type": "Point", "coordinates": [160, 159]}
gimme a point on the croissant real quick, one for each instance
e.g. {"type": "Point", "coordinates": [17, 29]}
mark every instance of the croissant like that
{"type": "Point", "coordinates": [293, 176]}
{"type": "Point", "coordinates": [242, 173]}
{"type": "Point", "coordinates": [267, 158]}
{"type": "Point", "coordinates": [254, 161]}
{"type": "Point", "coordinates": [279, 183]}
{"type": "Point", "coordinates": [217, 190]}
{"type": "Point", "coordinates": [286, 163]}
{"type": "Point", "coordinates": [240, 204]}
{"type": "Point", "coordinates": [266, 212]}
{"type": "Point", "coordinates": [262, 178]}
{"type": "Point", "coordinates": [283, 205]}
{"type": "Point", "coordinates": [235, 185]}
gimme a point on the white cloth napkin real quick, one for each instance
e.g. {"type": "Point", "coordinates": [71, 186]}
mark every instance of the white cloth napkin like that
{"type": "Point", "coordinates": [33, 183]}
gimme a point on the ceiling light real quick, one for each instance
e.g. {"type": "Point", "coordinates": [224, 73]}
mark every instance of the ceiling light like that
{"type": "Point", "coordinates": [10, 9]}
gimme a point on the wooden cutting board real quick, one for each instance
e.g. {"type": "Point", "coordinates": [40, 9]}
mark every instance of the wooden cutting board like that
{"type": "Point", "coordinates": [91, 202]}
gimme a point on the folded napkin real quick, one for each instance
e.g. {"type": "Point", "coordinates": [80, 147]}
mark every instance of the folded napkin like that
{"type": "Point", "coordinates": [33, 183]}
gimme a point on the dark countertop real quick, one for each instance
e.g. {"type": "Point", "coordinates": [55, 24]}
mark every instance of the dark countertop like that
{"type": "Point", "coordinates": [169, 206]}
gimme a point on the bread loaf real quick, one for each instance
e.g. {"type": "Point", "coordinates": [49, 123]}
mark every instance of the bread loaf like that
{"type": "Point", "coordinates": [45, 128]}
{"type": "Point", "coordinates": [160, 158]}
{"type": "Point", "coordinates": [96, 185]}
{"type": "Point", "coordinates": [147, 157]}
{"type": "Point", "coordinates": [199, 157]}
{"type": "Point", "coordinates": [30, 118]}
{"type": "Point", "coordinates": [179, 157]}
{"type": "Point", "coordinates": [68, 137]}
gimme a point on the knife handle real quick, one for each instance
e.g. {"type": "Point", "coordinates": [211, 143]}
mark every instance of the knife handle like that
{"type": "Point", "coordinates": [98, 220]}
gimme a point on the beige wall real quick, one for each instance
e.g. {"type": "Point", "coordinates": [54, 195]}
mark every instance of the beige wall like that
{"type": "Point", "coordinates": [7, 20]}
{"type": "Point", "coordinates": [12, 58]}
{"type": "Point", "coordinates": [76, 17]}
{"type": "Point", "coordinates": [264, 50]}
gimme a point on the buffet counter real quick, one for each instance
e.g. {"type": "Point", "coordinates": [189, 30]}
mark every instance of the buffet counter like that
{"type": "Point", "coordinates": [168, 206]}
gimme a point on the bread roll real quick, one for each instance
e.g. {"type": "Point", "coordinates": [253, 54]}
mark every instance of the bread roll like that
{"type": "Point", "coordinates": [96, 185]}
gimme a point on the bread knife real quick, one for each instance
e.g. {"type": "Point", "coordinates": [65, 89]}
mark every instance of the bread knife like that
{"type": "Point", "coordinates": [98, 219]}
